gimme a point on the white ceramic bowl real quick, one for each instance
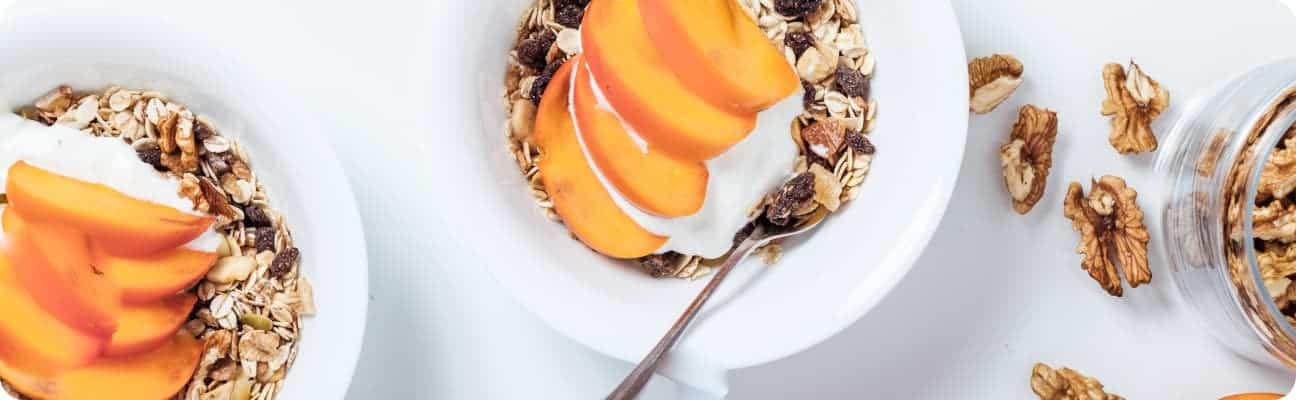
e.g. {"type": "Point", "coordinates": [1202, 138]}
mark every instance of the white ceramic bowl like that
{"type": "Point", "coordinates": [190, 53]}
{"type": "Point", "coordinates": [821, 285]}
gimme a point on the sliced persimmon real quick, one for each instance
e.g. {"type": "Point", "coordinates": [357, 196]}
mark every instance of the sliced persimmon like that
{"type": "Point", "coordinates": [26, 374]}
{"type": "Point", "coordinates": [654, 181]}
{"type": "Point", "coordinates": [147, 279]}
{"type": "Point", "coordinates": [33, 341]}
{"type": "Point", "coordinates": [145, 327]}
{"type": "Point", "coordinates": [53, 264]}
{"type": "Point", "coordinates": [642, 88]}
{"type": "Point", "coordinates": [578, 195]}
{"type": "Point", "coordinates": [123, 224]}
{"type": "Point", "coordinates": [719, 53]}
{"type": "Point", "coordinates": [156, 374]}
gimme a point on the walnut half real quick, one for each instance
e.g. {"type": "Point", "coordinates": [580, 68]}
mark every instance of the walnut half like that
{"type": "Point", "coordinates": [1109, 220]}
{"type": "Point", "coordinates": [991, 80]}
{"type": "Point", "coordinates": [1028, 155]}
{"type": "Point", "coordinates": [1066, 384]}
{"type": "Point", "coordinates": [1133, 101]}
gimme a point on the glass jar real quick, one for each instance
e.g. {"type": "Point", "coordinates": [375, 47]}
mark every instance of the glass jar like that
{"type": "Point", "coordinates": [1213, 158]}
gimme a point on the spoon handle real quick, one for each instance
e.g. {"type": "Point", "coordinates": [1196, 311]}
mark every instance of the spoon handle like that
{"type": "Point", "coordinates": [633, 383]}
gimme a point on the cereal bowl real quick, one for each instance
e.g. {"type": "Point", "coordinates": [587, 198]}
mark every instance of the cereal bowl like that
{"type": "Point", "coordinates": [822, 284]}
{"type": "Point", "coordinates": [94, 48]}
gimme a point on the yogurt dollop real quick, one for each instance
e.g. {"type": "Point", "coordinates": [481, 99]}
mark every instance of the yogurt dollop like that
{"type": "Point", "coordinates": [104, 160]}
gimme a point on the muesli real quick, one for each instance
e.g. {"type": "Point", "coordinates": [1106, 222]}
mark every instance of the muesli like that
{"type": "Point", "coordinates": [823, 42]}
{"type": "Point", "coordinates": [250, 304]}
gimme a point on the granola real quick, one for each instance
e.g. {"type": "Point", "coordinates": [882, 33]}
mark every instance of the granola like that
{"type": "Point", "coordinates": [252, 301]}
{"type": "Point", "coordinates": [821, 39]}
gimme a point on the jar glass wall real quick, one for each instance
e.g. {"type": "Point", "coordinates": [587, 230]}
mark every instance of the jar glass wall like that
{"type": "Point", "coordinates": [1212, 161]}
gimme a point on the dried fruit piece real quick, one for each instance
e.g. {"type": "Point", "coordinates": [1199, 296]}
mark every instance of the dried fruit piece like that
{"type": "Point", "coordinates": [991, 80]}
{"type": "Point", "coordinates": [1028, 155]}
{"type": "Point", "coordinates": [533, 52]}
{"type": "Point", "coordinates": [824, 139]}
{"type": "Point", "coordinates": [794, 195]}
{"type": "Point", "coordinates": [799, 41]}
{"type": "Point", "coordinates": [542, 81]}
{"type": "Point", "coordinates": [152, 155]}
{"type": "Point", "coordinates": [569, 15]}
{"type": "Point", "coordinates": [851, 82]}
{"type": "Point", "coordinates": [283, 262]}
{"type": "Point", "coordinates": [661, 265]}
{"type": "Point", "coordinates": [1109, 219]}
{"type": "Point", "coordinates": [1066, 384]}
{"type": "Point", "coordinates": [859, 143]}
{"type": "Point", "coordinates": [255, 215]}
{"type": "Point", "coordinates": [796, 8]}
{"type": "Point", "coordinates": [827, 189]}
{"type": "Point", "coordinates": [1135, 100]}
{"type": "Point", "coordinates": [265, 239]}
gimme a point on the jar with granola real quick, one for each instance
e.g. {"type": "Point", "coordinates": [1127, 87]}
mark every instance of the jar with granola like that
{"type": "Point", "coordinates": [1229, 217]}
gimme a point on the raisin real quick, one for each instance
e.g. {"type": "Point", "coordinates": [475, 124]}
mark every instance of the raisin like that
{"type": "Point", "coordinates": [808, 96]}
{"type": "Point", "coordinates": [799, 41]}
{"type": "Point", "coordinates": [283, 262]}
{"type": "Point", "coordinates": [151, 154]}
{"type": "Point", "coordinates": [796, 8]}
{"type": "Point", "coordinates": [203, 130]}
{"type": "Point", "coordinates": [255, 216]}
{"type": "Point", "coordinates": [534, 51]}
{"type": "Point", "coordinates": [570, 15]}
{"type": "Point", "coordinates": [265, 239]}
{"type": "Point", "coordinates": [792, 196]}
{"type": "Point", "coordinates": [852, 83]}
{"type": "Point", "coordinates": [660, 265]}
{"type": "Point", "coordinates": [542, 81]}
{"type": "Point", "coordinates": [859, 144]}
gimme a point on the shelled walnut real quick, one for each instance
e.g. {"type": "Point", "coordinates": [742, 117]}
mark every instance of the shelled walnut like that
{"type": "Point", "coordinates": [1133, 101]}
{"type": "Point", "coordinates": [991, 80]}
{"type": "Point", "coordinates": [1066, 384]}
{"type": "Point", "coordinates": [1028, 155]}
{"type": "Point", "coordinates": [1109, 219]}
{"type": "Point", "coordinates": [1278, 178]}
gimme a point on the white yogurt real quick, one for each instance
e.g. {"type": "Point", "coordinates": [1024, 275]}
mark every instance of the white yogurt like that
{"type": "Point", "coordinates": [103, 160]}
{"type": "Point", "coordinates": [737, 180]}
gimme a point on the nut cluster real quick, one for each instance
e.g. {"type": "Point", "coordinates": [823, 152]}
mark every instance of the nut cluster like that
{"type": "Point", "coordinates": [251, 302]}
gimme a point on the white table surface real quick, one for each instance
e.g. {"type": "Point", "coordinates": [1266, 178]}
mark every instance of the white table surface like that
{"type": "Point", "coordinates": [993, 294]}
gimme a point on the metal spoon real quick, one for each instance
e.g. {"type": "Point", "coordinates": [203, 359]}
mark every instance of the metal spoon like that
{"type": "Point", "coordinates": [760, 236]}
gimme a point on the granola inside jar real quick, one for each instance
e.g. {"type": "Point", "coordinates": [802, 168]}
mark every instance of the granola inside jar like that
{"type": "Point", "coordinates": [1226, 211]}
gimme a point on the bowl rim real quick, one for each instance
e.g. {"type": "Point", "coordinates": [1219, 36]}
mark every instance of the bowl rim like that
{"type": "Point", "coordinates": [347, 326]}
{"type": "Point", "coordinates": [863, 299]}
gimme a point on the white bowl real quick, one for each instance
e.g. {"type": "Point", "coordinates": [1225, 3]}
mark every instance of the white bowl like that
{"type": "Point", "coordinates": [821, 285]}
{"type": "Point", "coordinates": [194, 56]}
